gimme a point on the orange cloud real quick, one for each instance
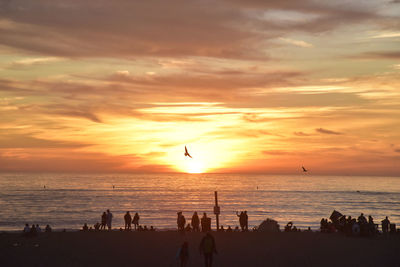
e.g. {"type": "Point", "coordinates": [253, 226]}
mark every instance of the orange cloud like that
{"type": "Point", "coordinates": [123, 86]}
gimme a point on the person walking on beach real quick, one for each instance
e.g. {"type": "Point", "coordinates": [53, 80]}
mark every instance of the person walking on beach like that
{"type": "Point", "coordinates": [103, 221]}
{"type": "Point", "coordinates": [208, 248]}
{"type": "Point", "coordinates": [135, 220]}
{"type": "Point", "coordinates": [109, 220]}
{"type": "Point", "coordinates": [183, 254]}
{"type": "Point", "coordinates": [195, 222]}
{"type": "Point", "coordinates": [128, 221]}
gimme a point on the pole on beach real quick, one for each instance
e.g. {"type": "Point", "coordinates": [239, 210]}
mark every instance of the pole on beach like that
{"type": "Point", "coordinates": [216, 209]}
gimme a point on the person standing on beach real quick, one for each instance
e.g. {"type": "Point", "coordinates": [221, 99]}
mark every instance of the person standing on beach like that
{"type": "Point", "coordinates": [135, 220]}
{"type": "Point", "coordinates": [181, 221]}
{"type": "Point", "coordinates": [195, 222]}
{"type": "Point", "coordinates": [241, 220]}
{"type": "Point", "coordinates": [246, 220]}
{"type": "Point", "coordinates": [208, 248]}
{"type": "Point", "coordinates": [204, 223]}
{"type": "Point", "coordinates": [385, 225]}
{"type": "Point", "coordinates": [103, 221]}
{"type": "Point", "coordinates": [128, 221]}
{"type": "Point", "coordinates": [109, 220]}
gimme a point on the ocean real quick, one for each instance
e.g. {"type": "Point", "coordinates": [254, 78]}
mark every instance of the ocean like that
{"type": "Point", "coordinates": [70, 200]}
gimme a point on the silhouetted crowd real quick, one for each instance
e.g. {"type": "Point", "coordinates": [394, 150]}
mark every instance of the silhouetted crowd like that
{"type": "Point", "coordinates": [194, 225]}
{"type": "Point", "coordinates": [106, 223]}
{"type": "Point", "coordinates": [34, 230]}
{"type": "Point", "coordinates": [355, 227]}
{"type": "Point", "coordinates": [337, 222]}
{"type": "Point", "coordinates": [205, 223]}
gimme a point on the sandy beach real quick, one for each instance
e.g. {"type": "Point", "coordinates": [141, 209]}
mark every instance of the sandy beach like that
{"type": "Point", "coordinates": [160, 248]}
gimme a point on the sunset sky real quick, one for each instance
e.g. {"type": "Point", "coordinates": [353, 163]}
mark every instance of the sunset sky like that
{"type": "Point", "coordinates": [248, 86]}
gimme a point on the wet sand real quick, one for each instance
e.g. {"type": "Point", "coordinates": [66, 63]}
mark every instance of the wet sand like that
{"type": "Point", "coordinates": [234, 249]}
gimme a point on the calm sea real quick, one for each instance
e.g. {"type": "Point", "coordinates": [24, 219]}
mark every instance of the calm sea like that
{"type": "Point", "coordinates": [69, 200]}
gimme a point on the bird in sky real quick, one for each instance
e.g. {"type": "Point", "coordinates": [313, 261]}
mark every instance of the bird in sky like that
{"type": "Point", "coordinates": [304, 169]}
{"type": "Point", "coordinates": [187, 153]}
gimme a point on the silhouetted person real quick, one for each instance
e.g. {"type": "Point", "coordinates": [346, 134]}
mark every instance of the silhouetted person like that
{"type": "Point", "coordinates": [33, 231]}
{"type": "Point", "coordinates": [204, 223]}
{"type": "Point", "coordinates": [348, 226]}
{"type": "Point", "coordinates": [362, 219]}
{"type": "Point", "coordinates": [128, 221]}
{"type": "Point", "coordinates": [241, 220]}
{"type": "Point", "coordinates": [188, 228]}
{"type": "Point", "coordinates": [208, 248]}
{"type": "Point", "coordinates": [109, 220]}
{"type": "Point", "coordinates": [103, 221]}
{"type": "Point", "coordinates": [246, 220]}
{"type": "Point", "coordinates": [85, 227]}
{"type": "Point", "coordinates": [288, 227]}
{"type": "Point", "coordinates": [135, 220]}
{"type": "Point", "coordinates": [385, 225]}
{"type": "Point", "coordinates": [27, 229]}
{"type": "Point", "coordinates": [181, 221]}
{"type": "Point", "coordinates": [370, 220]}
{"type": "Point", "coordinates": [195, 222]}
{"type": "Point", "coordinates": [371, 225]}
{"type": "Point", "coordinates": [178, 219]}
{"type": "Point", "coordinates": [152, 228]}
{"type": "Point", "coordinates": [47, 229]}
{"type": "Point", "coordinates": [355, 228]}
{"type": "Point", "coordinates": [184, 254]}
{"type": "Point", "coordinates": [97, 226]}
{"type": "Point", "coordinates": [38, 229]}
{"type": "Point", "coordinates": [342, 223]}
{"type": "Point", "coordinates": [229, 229]}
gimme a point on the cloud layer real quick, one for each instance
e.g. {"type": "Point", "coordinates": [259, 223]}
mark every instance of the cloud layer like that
{"type": "Point", "coordinates": [124, 85]}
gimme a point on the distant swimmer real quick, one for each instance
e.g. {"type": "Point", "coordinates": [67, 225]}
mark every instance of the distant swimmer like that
{"type": "Point", "coordinates": [44, 187]}
{"type": "Point", "coordinates": [113, 186]}
{"type": "Point", "coordinates": [187, 153]}
{"type": "Point", "coordinates": [358, 191]}
{"type": "Point", "coordinates": [304, 169]}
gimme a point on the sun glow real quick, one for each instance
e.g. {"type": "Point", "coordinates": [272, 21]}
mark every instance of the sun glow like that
{"type": "Point", "coordinates": [194, 166]}
{"type": "Point", "coordinates": [205, 157]}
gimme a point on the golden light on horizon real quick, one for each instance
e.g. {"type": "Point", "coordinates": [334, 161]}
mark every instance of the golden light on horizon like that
{"type": "Point", "coordinates": [207, 156]}
{"type": "Point", "coordinates": [194, 166]}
